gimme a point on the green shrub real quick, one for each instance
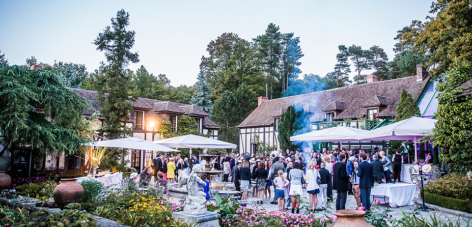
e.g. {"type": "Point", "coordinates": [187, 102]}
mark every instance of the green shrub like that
{"type": "Point", "coordinates": [453, 185]}
{"type": "Point", "coordinates": [23, 217]}
{"type": "Point", "coordinates": [412, 220]}
{"type": "Point", "coordinates": [448, 202]}
{"type": "Point", "coordinates": [42, 190]}
{"type": "Point", "coordinates": [92, 191]}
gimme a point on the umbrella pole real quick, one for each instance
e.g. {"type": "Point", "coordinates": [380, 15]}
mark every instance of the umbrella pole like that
{"type": "Point", "coordinates": [416, 153]}
{"type": "Point", "coordinates": [341, 146]}
{"type": "Point", "coordinates": [190, 159]}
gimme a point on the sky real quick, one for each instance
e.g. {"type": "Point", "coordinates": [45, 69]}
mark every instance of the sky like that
{"type": "Point", "coordinates": [171, 36]}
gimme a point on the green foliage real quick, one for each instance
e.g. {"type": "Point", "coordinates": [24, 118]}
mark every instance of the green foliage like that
{"type": "Point", "coordinates": [24, 218]}
{"type": "Point", "coordinates": [453, 128]}
{"type": "Point", "coordinates": [92, 192]}
{"type": "Point", "coordinates": [360, 58]}
{"type": "Point", "coordinates": [406, 107]}
{"type": "Point", "coordinates": [226, 113]}
{"type": "Point", "coordinates": [41, 190]}
{"type": "Point", "coordinates": [3, 60]}
{"type": "Point", "coordinates": [453, 186]}
{"type": "Point", "coordinates": [226, 208]}
{"type": "Point", "coordinates": [247, 100]}
{"type": "Point", "coordinates": [185, 125]}
{"type": "Point", "coordinates": [291, 60]}
{"type": "Point", "coordinates": [378, 61]}
{"type": "Point", "coordinates": [261, 146]}
{"type": "Point", "coordinates": [116, 42]}
{"type": "Point", "coordinates": [412, 220]}
{"type": "Point", "coordinates": [37, 109]}
{"type": "Point", "coordinates": [292, 122]}
{"type": "Point", "coordinates": [342, 67]}
{"type": "Point", "coordinates": [233, 61]}
{"type": "Point", "coordinates": [146, 85]}
{"type": "Point", "coordinates": [445, 36]}
{"type": "Point", "coordinates": [202, 94]}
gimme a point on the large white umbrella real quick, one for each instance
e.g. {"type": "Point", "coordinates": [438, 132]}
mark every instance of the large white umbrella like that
{"type": "Point", "coordinates": [339, 133]}
{"type": "Point", "coordinates": [131, 143]}
{"type": "Point", "coordinates": [409, 129]}
{"type": "Point", "coordinates": [193, 141]}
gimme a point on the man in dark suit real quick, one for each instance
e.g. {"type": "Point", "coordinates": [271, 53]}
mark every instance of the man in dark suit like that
{"type": "Point", "coordinates": [156, 163]}
{"type": "Point", "coordinates": [366, 180]}
{"type": "Point", "coordinates": [377, 169]}
{"type": "Point", "coordinates": [340, 182]}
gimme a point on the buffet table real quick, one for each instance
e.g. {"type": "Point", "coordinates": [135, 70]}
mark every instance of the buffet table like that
{"type": "Point", "coordinates": [111, 180]}
{"type": "Point", "coordinates": [399, 194]}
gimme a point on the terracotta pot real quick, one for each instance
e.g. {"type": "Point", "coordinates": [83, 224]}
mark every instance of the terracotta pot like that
{"type": "Point", "coordinates": [69, 191]}
{"type": "Point", "coordinates": [350, 218]}
{"type": "Point", "coordinates": [5, 180]}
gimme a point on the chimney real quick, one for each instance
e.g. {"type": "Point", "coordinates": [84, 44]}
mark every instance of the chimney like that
{"type": "Point", "coordinates": [421, 73]}
{"type": "Point", "coordinates": [372, 78]}
{"type": "Point", "coordinates": [35, 67]}
{"type": "Point", "coordinates": [261, 99]}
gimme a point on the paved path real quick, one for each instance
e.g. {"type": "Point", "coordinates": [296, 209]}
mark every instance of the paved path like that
{"type": "Point", "coordinates": [351, 204]}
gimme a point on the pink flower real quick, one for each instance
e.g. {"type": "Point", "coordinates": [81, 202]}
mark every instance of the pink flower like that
{"type": "Point", "coordinates": [378, 201]}
{"type": "Point", "coordinates": [330, 218]}
{"type": "Point", "coordinates": [361, 208]}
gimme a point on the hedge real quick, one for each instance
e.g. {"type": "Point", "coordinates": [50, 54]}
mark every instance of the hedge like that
{"type": "Point", "coordinates": [448, 202]}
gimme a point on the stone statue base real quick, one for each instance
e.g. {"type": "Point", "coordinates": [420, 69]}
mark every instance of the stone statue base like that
{"type": "Point", "coordinates": [207, 219]}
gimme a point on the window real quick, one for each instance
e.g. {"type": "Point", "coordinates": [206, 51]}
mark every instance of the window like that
{"type": "Point", "coordinates": [330, 116]}
{"type": "Point", "coordinates": [74, 162]}
{"type": "Point", "coordinates": [135, 156]}
{"type": "Point", "coordinates": [372, 114]}
{"type": "Point", "coordinates": [139, 119]}
{"type": "Point", "coordinates": [276, 124]}
{"type": "Point", "coordinates": [173, 121]}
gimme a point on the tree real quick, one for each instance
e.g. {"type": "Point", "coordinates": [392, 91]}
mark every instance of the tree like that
{"type": "Point", "coordinates": [247, 100]}
{"type": "Point", "coordinates": [3, 60]}
{"type": "Point", "coordinates": [294, 121]}
{"type": "Point", "coordinates": [185, 125]}
{"type": "Point", "coordinates": [38, 110]}
{"type": "Point", "coordinates": [72, 74]}
{"type": "Point", "coordinates": [406, 107]}
{"type": "Point", "coordinates": [292, 55]}
{"type": "Point", "coordinates": [226, 114]}
{"type": "Point", "coordinates": [444, 36]}
{"type": "Point", "coordinates": [331, 81]}
{"type": "Point", "coordinates": [233, 61]}
{"type": "Point", "coordinates": [202, 94]}
{"type": "Point", "coordinates": [452, 132]}
{"type": "Point", "coordinates": [360, 58]}
{"type": "Point", "coordinates": [406, 59]}
{"type": "Point", "coordinates": [309, 83]}
{"type": "Point", "coordinates": [146, 85]}
{"type": "Point", "coordinates": [342, 68]}
{"type": "Point", "coordinates": [379, 62]}
{"type": "Point", "coordinates": [116, 42]}
{"type": "Point", "coordinates": [31, 61]}
{"type": "Point", "coordinates": [181, 94]}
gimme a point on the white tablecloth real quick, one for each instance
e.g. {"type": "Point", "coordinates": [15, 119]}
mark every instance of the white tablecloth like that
{"type": "Point", "coordinates": [400, 194]}
{"type": "Point", "coordinates": [113, 180]}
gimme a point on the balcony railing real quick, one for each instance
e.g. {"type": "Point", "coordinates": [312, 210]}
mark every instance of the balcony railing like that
{"type": "Point", "coordinates": [360, 124]}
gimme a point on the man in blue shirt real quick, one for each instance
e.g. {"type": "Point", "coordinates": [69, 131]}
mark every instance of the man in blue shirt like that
{"type": "Point", "coordinates": [366, 180]}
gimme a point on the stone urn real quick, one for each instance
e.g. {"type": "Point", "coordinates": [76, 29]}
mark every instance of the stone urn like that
{"type": "Point", "coordinates": [5, 181]}
{"type": "Point", "coordinates": [69, 191]}
{"type": "Point", "coordinates": [350, 218]}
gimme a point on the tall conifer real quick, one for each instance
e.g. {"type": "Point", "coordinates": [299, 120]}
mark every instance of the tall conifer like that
{"type": "Point", "coordinates": [202, 93]}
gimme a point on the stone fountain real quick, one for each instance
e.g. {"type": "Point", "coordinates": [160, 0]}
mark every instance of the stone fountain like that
{"type": "Point", "coordinates": [223, 189]}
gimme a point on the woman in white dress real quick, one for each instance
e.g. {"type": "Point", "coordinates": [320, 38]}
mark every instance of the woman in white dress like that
{"type": "Point", "coordinates": [312, 186]}
{"type": "Point", "coordinates": [296, 189]}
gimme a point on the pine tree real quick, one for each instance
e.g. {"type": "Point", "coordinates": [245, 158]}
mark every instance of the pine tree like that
{"type": "Point", "coordinates": [3, 60]}
{"type": "Point", "coordinates": [226, 114]}
{"type": "Point", "coordinates": [360, 58]}
{"type": "Point", "coordinates": [293, 54]}
{"type": "Point", "coordinates": [116, 42]}
{"type": "Point", "coordinates": [202, 94]}
{"type": "Point", "coordinates": [342, 68]}
{"type": "Point", "coordinates": [247, 100]}
{"type": "Point", "coordinates": [379, 62]}
{"type": "Point", "coordinates": [294, 121]}
{"type": "Point", "coordinates": [406, 107]}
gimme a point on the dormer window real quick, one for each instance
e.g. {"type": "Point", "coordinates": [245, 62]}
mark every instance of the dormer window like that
{"type": "Point", "coordinates": [330, 116]}
{"type": "Point", "coordinates": [372, 114]}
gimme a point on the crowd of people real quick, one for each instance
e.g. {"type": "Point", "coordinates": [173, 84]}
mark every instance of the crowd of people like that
{"type": "Point", "coordinates": [352, 172]}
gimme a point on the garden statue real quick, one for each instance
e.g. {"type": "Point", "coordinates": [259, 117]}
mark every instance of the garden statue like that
{"type": "Point", "coordinates": [195, 202]}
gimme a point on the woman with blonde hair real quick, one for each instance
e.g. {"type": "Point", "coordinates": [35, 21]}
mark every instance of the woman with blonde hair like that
{"type": "Point", "coordinates": [312, 186]}
{"type": "Point", "coordinates": [280, 184]}
{"type": "Point", "coordinates": [171, 170]}
{"type": "Point", "coordinates": [329, 167]}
